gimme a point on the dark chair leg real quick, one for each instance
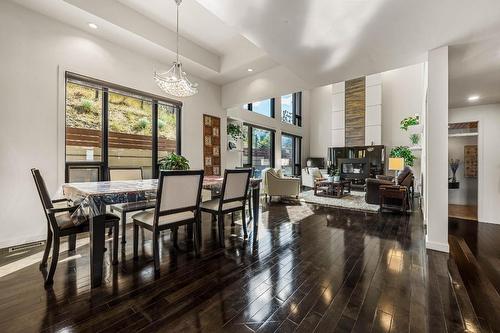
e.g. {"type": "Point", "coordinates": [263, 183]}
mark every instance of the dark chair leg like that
{"type": "Point", "coordinates": [124, 227]}
{"type": "Point", "coordinates": [115, 242]}
{"type": "Point", "coordinates": [232, 219]}
{"type": "Point", "coordinates": [53, 262]}
{"type": "Point", "coordinates": [196, 238]}
{"type": "Point", "coordinates": [136, 241]}
{"type": "Point", "coordinates": [156, 251]}
{"type": "Point", "coordinates": [175, 236]}
{"type": "Point", "coordinates": [220, 222]}
{"type": "Point", "coordinates": [198, 229]}
{"type": "Point", "coordinates": [48, 245]}
{"type": "Point", "coordinates": [72, 242]}
{"type": "Point", "coordinates": [244, 222]}
{"type": "Point", "coordinates": [110, 231]}
{"type": "Point", "coordinates": [250, 214]}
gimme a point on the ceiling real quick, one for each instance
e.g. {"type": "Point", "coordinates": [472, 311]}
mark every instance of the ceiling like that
{"type": "Point", "coordinates": [474, 69]}
{"type": "Point", "coordinates": [209, 48]}
{"type": "Point", "coordinates": [326, 41]}
{"type": "Point", "coordinates": [321, 41]}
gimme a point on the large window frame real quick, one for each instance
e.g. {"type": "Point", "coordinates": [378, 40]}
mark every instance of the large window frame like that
{"type": "Point", "coordinates": [272, 108]}
{"type": "Point", "coordinates": [296, 109]}
{"type": "Point", "coordinates": [105, 88]}
{"type": "Point", "coordinates": [296, 152]}
{"type": "Point", "coordinates": [249, 136]}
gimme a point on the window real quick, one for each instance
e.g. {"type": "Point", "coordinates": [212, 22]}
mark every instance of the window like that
{"type": "Point", "coordinates": [265, 107]}
{"type": "Point", "coordinates": [258, 148]}
{"type": "Point", "coordinates": [291, 109]}
{"type": "Point", "coordinates": [112, 126]}
{"type": "Point", "coordinates": [290, 154]}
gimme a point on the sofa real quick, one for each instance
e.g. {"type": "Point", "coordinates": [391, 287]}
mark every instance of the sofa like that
{"type": "Point", "coordinates": [372, 185]}
{"type": "Point", "coordinates": [310, 175]}
{"type": "Point", "coordinates": [275, 184]}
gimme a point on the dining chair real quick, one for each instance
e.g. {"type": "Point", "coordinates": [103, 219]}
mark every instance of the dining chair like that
{"type": "Point", "coordinates": [177, 203]}
{"type": "Point", "coordinates": [116, 174]}
{"type": "Point", "coordinates": [250, 212]}
{"type": "Point", "coordinates": [233, 198]}
{"type": "Point", "coordinates": [62, 222]}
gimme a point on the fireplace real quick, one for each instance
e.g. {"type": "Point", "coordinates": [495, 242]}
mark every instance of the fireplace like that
{"type": "Point", "coordinates": [354, 169]}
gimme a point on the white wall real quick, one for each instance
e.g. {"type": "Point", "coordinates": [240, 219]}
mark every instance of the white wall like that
{"type": "Point", "coordinates": [234, 157]}
{"type": "Point", "coordinates": [273, 82]}
{"type": "Point", "coordinates": [467, 193]}
{"type": "Point", "coordinates": [488, 117]}
{"type": "Point", "coordinates": [33, 50]}
{"type": "Point", "coordinates": [436, 127]}
{"type": "Point", "coordinates": [402, 96]}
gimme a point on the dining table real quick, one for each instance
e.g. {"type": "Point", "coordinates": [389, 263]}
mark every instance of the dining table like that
{"type": "Point", "coordinates": [92, 199]}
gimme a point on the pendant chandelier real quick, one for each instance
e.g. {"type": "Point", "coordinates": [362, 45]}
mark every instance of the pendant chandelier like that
{"type": "Point", "coordinates": [174, 81]}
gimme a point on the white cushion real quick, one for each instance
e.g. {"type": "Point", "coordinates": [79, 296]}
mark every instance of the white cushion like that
{"type": "Point", "coordinates": [214, 205]}
{"type": "Point", "coordinates": [148, 217]}
{"type": "Point", "coordinates": [315, 172]}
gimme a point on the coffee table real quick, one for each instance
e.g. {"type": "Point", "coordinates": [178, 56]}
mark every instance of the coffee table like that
{"type": "Point", "coordinates": [325, 187]}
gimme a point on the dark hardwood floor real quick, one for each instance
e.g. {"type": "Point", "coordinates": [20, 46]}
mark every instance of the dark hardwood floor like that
{"type": "Point", "coordinates": [309, 269]}
{"type": "Point", "coordinates": [475, 248]}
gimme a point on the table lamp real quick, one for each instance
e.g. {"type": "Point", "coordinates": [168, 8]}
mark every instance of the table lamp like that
{"type": "Point", "coordinates": [396, 164]}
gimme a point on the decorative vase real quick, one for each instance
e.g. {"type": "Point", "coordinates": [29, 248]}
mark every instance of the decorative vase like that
{"type": "Point", "coordinates": [336, 179]}
{"type": "Point", "coordinates": [330, 178]}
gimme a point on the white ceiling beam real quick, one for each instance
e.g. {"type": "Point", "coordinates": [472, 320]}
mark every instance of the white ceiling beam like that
{"type": "Point", "coordinates": [126, 18]}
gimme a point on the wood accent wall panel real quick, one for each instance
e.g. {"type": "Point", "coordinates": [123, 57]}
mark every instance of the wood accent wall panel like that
{"type": "Point", "coordinates": [470, 161]}
{"type": "Point", "coordinates": [355, 112]}
{"type": "Point", "coordinates": [211, 145]}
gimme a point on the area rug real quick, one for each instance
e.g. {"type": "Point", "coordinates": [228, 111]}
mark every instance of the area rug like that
{"type": "Point", "coordinates": [353, 201]}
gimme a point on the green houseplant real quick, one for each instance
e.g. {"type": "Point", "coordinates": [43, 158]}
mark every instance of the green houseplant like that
{"type": "Point", "coordinates": [235, 131]}
{"type": "Point", "coordinates": [409, 121]}
{"type": "Point", "coordinates": [174, 162]}
{"type": "Point", "coordinates": [405, 153]}
{"type": "Point", "coordinates": [415, 139]}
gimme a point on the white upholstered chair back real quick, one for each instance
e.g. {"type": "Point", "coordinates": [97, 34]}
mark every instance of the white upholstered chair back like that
{"type": "Point", "coordinates": [236, 184]}
{"type": "Point", "coordinates": [125, 174]}
{"type": "Point", "coordinates": [179, 190]}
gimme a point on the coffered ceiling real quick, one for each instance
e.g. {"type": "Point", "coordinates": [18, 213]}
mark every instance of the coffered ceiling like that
{"type": "Point", "coordinates": [326, 41]}
{"type": "Point", "coordinates": [475, 71]}
{"type": "Point", "coordinates": [321, 41]}
{"type": "Point", "coordinates": [209, 48]}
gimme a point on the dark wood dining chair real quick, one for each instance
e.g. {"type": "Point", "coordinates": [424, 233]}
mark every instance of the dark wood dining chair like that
{"type": "Point", "coordinates": [115, 174]}
{"type": "Point", "coordinates": [177, 203]}
{"type": "Point", "coordinates": [234, 195]}
{"type": "Point", "coordinates": [61, 222]}
{"type": "Point", "coordinates": [250, 211]}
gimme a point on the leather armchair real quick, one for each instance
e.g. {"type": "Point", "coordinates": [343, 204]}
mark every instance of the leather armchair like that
{"type": "Point", "coordinates": [405, 178]}
{"type": "Point", "coordinates": [372, 186]}
{"type": "Point", "coordinates": [276, 185]}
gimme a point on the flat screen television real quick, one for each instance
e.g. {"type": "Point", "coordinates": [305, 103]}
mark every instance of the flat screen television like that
{"type": "Point", "coordinates": [315, 162]}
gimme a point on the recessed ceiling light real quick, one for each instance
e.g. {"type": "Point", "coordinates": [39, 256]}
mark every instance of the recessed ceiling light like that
{"type": "Point", "coordinates": [473, 98]}
{"type": "Point", "coordinates": [93, 25]}
{"type": "Point", "coordinates": [250, 69]}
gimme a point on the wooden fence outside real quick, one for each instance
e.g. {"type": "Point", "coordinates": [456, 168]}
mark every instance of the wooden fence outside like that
{"type": "Point", "coordinates": [83, 137]}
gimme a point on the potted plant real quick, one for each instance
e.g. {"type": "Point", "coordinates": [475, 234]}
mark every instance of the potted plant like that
{"type": "Point", "coordinates": [415, 139]}
{"type": "Point", "coordinates": [409, 121]}
{"type": "Point", "coordinates": [174, 162]}
{"type": "Point", "coordinates": [454, 164]}
{"type": "Point", "coordinates": [234, 131]}
{"type": "Point", "coordinates": [336, 175]}
{"type": "Point", "coordinates": [405, 153]}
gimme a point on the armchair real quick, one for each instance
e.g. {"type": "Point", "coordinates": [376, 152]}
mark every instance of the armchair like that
{"type": "Point", "coordinates": [372, 185]}
{"type": "Point", "coordinates": [276, 185]}
{"type": "Point", "coordinates": [310, 175]}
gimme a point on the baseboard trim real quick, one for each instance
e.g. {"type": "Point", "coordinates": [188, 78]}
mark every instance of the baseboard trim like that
{"type": "Point", "coordinates": [441, 247]}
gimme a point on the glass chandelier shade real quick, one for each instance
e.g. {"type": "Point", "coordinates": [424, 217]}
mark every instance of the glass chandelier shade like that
{"type": "Point", "coordinates": [174, 81]}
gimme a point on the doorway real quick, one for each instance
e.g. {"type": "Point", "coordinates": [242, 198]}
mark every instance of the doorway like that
{"type": "Point", "coordinates": [463, 171]}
